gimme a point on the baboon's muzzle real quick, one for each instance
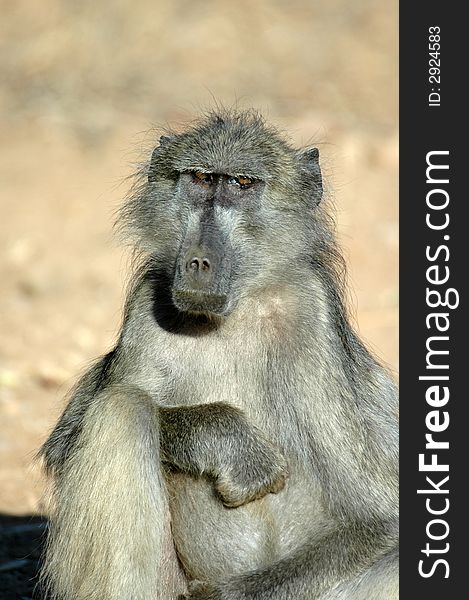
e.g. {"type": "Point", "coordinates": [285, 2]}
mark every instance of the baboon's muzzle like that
{"type": "Point", "coordinates": [203, 273]}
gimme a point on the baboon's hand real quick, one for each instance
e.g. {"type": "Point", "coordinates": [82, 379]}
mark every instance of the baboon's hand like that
{"type": "Point", "coordinates": [218, 440]}
{"type": "Point", "coordinates": [257, 469]}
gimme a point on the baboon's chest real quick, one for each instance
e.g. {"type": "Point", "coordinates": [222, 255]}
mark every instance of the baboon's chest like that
{"type": "Point", "coordinates": [198, 372]}
{"type": "Point", "coordinates": [215, 541]}
{"type": "Point", "coordinates": [212, 540]}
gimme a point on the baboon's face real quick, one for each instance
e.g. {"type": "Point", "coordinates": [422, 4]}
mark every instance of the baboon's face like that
{"type": "Point", "coordinates": [218, 210]}
{"type": "Point", "coordinates": [232, 213]}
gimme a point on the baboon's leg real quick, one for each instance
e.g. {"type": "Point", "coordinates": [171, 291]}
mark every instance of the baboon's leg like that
{"type": "Point", "coordinates": [110, 535]}
{"type": "Point", "coordinates": [344, 565]}
{"type": "Point", "coordinates": [379, 582]}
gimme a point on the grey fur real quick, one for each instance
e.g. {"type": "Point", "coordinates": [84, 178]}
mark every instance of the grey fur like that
{"type": "Point", "coordinates": [254, 437]}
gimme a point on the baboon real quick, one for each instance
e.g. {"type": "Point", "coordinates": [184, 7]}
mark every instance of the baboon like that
{"type": "Point", "coordinates": [239, 442]}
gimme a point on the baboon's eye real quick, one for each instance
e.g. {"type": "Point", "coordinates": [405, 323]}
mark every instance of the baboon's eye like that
{"type": "Point", "coordinates": [203, 177]}
{"type": "Point", "coordinates": [241, 180]}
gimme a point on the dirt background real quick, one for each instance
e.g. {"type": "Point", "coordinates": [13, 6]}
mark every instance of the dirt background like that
{"type": "Point", "coordinates": [81, 85]}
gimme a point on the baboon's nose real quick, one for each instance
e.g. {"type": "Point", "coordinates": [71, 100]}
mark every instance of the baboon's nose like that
{"type": "Point", "coordinates": [201, 280]}
{"type": "Point", "coordinates": [197, 264]}
{"type": "Point", "coordinates": [199, 268]}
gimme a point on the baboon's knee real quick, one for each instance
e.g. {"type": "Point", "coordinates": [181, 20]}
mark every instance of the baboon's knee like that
{"type": "Point", "coordinates": [118, 445]}
{"type": "Point", "coordinates": [125, 417]}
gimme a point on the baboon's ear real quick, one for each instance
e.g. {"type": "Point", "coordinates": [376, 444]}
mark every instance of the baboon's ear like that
{"type": "Point", "coordinates": [165, 140]}
{"type": "Point", "coordinates": [309, 160]}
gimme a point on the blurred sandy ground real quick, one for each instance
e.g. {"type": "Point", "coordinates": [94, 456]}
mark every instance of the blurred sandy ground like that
{"type": "Point", "coordinates": [82, 83]}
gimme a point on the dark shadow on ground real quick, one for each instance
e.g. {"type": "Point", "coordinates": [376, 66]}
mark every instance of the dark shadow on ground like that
{"type": "Point", "coordinates": [21, 542]}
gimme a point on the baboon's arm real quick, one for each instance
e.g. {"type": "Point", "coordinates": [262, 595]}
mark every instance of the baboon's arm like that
{"type": "Point", "coordinates": [213, 440]}
{"type": "Point", "coordinates": [216, 440]}
{"type": "Point", "coordinates": [337, 560]}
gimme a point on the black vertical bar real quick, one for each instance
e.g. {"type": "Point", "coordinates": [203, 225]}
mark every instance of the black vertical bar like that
{"type": "Point", "coordinates": [433, 123]}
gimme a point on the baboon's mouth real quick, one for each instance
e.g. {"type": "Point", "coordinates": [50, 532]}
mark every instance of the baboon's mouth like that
{"type": "Point", "coordinates": [195, 301]}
